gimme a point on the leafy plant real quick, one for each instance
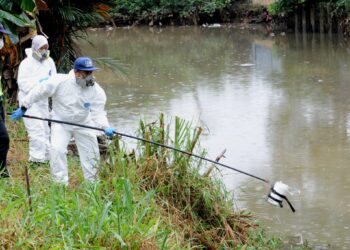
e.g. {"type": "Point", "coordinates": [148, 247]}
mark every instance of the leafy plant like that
{"type": "Point", "coordinates": [62, 21]}
{"type": "Point", "coordinates": [138, 10]}
{"type": "Point", "coordinates": [66, 21]}
{"type": "Point", "coordinates": [290, 5]}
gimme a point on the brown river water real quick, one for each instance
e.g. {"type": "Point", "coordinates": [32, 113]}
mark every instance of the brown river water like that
{"type": "Point", "coordinates": [280, 106]}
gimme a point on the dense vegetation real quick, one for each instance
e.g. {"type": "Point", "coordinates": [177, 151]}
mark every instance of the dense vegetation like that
{"type": "Point", "coordinates": [63, 22]}
{"type": "Point", "coordinates": [315, 16]}
{"type": "Point", "coordinates": [199, 11]}
{"type": "Point", "coordinates": [170, 11]}
{"type": "Point", "coordinates": [290, 5]}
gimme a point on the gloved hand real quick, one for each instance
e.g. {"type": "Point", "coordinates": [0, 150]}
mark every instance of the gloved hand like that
{"type": "Point", "coordinates": [109, 131]}
{"type": "Point", "coordinates": [18, 114]}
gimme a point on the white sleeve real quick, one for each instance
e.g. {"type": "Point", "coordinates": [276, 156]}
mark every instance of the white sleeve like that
{"type": "Point", "coordinates": [98, 112]}
{"type": "Point", "coordinates": [26, 79]}
{"type": "Point", "coordinates": [42, 91]}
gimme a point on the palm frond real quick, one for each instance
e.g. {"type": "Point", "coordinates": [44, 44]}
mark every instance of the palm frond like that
{"type": "Point", "coordinates": [113, 64]}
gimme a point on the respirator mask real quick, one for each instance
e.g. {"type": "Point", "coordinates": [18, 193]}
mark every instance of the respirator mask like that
{"type": "Point", "coordinates": [87, 81]}
{"type": "Point", "coordinates": [41, 55]}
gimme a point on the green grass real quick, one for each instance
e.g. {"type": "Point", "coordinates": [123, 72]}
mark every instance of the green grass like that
{"type": "Point", "coordinates": [146, 198]}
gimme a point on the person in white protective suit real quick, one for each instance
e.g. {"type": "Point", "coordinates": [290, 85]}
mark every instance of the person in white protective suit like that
{"type": "Point", "coordinates": [76, 98]}
{"type": "Point", "coordinates": [36, 67]}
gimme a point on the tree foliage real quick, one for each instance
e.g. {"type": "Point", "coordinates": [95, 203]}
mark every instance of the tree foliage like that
{"type": "Point", "coordinates": [64, 22]}
{"type": "Point", "coordinates": [61, 21]}
{"type": "Point", "coordinates": [290, 5]}
{"type": "Point", "coordinates": [160, 9]}
{"type": "Point", "coordinates": [17, 14]}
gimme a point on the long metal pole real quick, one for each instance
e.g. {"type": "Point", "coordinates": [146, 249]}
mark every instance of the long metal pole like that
{"type": "Point", "coordinates": [148, 141]}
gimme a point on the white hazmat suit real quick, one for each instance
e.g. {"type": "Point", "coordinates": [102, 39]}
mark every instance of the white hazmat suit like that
{"type": "Point", "coordinates": [30, 74]}
{"type": "Point", "coordinates": [76, 104]}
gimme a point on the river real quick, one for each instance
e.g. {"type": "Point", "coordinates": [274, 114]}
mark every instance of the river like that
{"type": "Point", "coordinates": [278, 105]}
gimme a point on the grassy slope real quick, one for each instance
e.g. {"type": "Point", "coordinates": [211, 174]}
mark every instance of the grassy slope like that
{"type": "Point", "coordinates": [152, 200]}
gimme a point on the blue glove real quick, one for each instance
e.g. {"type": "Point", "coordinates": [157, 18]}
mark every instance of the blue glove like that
{"type": "Point", "coordinates": [18, 114]}
{"type": "Point", "coordinates": [109, 131]}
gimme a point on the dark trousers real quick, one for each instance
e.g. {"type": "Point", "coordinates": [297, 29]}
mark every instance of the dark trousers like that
{"type": "Point", "coordinates": [4, 143]}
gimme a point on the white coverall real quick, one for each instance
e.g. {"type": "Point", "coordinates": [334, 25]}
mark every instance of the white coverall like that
{"type": "Point", "coordinates": [76, 104]}
{"type": "Point", "coordinates": [30, 72]}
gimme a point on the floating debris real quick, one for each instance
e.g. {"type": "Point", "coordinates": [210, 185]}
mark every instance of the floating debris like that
{"type": "Point", "coordinates": [247, 64]}
{"type": "Point", "coordinates": [214, 25]}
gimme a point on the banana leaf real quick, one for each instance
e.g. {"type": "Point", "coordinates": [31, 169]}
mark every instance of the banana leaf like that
{"type": "Point", "coordinates": [28, 5]}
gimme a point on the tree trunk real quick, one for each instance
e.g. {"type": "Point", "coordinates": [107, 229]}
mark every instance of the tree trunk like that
{"type": "Point", "coordinates": [321, 19]}
{"type": "Point", "coordinates": [329, 19]}
{"type": "Point", "coordinates": [312, 18]}
{"type": "Point", "coordinates": [303, 20]}
{"type": "Point", "coordinates": [296, 21]}
{"type": "Point", "coordinates": [195, 19]}
{"type": "Point", "coordinates": [10, 61]}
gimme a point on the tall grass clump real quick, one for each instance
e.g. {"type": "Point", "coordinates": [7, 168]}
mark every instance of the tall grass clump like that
{"type": "Point", "coordinates": [146, 198]}
{"type": "Point", "coordinates": [200, 207]}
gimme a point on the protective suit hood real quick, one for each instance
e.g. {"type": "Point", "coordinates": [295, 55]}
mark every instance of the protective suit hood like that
{"type": "Point", "coordinates": [29, 52]}
{"type": "Point", "coordinates": [38, 42]}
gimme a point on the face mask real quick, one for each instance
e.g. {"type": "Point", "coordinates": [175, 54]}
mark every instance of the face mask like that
{"type": "Point", "coordinates": [1, 43]}
{"type": "Point", "coordinates": [85, 82]}
{"type": "Point", "coordinates": [90, 81]}
{"type": "Point", "coordinates": [41, 55]}
{"type": "Point", "coordinates": [45, 53]}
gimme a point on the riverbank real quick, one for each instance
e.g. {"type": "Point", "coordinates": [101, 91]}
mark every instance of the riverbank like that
{"type": "Point", "coordinates": [168, 15]}
{"type": "Point", "coordinates": [284, 16]}
{"type": "Point", "coordinates": [154, 199]}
